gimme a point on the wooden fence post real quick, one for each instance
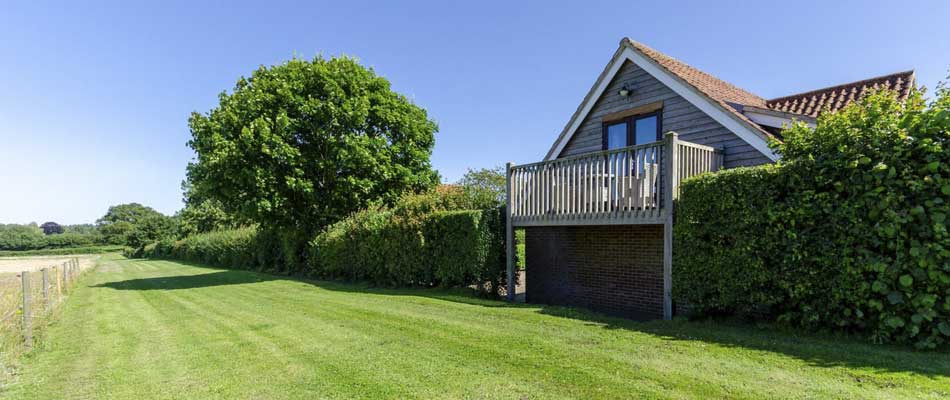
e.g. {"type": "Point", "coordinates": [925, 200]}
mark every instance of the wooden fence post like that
{"type": "Point", "coordinates": [65, 275]}
{"type": "Point", "coordinates": [27, 320]}
{"type": "Point", "coordinates": [46, 288]}
{"type": "Point", "coordinates": [59, 282]}
{"type": "Point", "coordinates": [671, 180]}
{"type": "Point", "coordinates": [509, 236]}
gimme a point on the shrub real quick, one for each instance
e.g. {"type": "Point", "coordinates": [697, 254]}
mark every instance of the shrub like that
{"type": "Point", "coordinates": [68, 240]}
{"type": "Point", "coordinates": [848, 232]}
{"type": "Point", "coordinates": [372, 245]}
{"type": "Point", "coordinates": [233, 248]}
{"type": "Point", "coordinates": [444, 248]}
{"type": "Point", "coordinates": [722, 247]}
{"type": "Point", "coordinates": [466, 247]}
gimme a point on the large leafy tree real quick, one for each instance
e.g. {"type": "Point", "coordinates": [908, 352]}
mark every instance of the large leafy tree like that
{"type": "Point", "coordinates": [135, 225]}
{"type": "Point", "coordinates": [51, 228]}
{"type": "Point", "coordinates": [486, 187]}
{"type": "Point", "coordinates": [302, 144]}
{"type": "Point", "coordinates": [203, 216]}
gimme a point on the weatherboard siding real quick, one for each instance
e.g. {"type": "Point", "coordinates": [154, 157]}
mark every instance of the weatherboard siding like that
{"type": "Point", "coordinates": [678, 115]}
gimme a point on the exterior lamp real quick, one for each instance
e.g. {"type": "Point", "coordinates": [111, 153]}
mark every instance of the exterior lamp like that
{"type": "Point", "coordinates": [625, 91]}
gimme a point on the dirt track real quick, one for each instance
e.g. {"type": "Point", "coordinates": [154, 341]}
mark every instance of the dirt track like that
{"type": "Point", "coordinates": [34, 263]}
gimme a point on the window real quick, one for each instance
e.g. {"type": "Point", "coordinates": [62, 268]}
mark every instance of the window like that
{"type": "Point", "coordinates": [616, 136]}
{"type": "Point", "coordinates": [631, 131]}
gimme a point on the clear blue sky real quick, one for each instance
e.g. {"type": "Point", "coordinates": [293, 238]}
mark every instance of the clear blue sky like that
{"type": "Point", "coordinates": [94, 99]}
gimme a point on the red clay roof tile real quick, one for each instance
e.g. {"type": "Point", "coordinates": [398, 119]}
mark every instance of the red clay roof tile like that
{"type": "Point", "coordinates": [834, 98]}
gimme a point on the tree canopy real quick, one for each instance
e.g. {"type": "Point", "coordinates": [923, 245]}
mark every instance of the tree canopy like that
{"type": "Point", "coordinates": [135, 225]}
{"type": "Point", "coordinates": [51, 228]}
{"type": "Point", "coordinates": [305, 143]}
{"type": "Point", "coordinates": [485, 186]}
{"type": "Point", "coordinates": [203, 216]}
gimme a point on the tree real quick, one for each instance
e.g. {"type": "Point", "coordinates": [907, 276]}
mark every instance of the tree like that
{"type": "Point", "coordinates": [81, 229]}
{"type": "Point", "coordinates": [132, 213]}
{"type": "Point", "coordinates": [116, 232]}
{"type": "Point", "coordinates": [135, 225]}
{"type": "Point", "coordinates": [204, 216]}
{"type": "Point", "coordinates": [305, 143]}
{"type": "Point", "coordinates": [51, 228]}
{"type": "Point", "coordinates": [151, 230]}
{"type": "Point", "coordinates": [486, 187]}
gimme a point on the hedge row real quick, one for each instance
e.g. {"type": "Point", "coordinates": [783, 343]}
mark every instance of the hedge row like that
{"type": "Point", "coordinates": [32, 238]}
{"type": "Point", "coordinates": [444, 248]}
{"type": "Point", "coordinates": [847, 233]}
{"type": "Point", "coordinates": [387, 247]}
{"type": "Point", "coordinates": [234, 248]}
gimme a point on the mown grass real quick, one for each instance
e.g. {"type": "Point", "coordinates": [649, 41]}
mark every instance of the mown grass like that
{"type": "Point", "coordinates": [162, 330]}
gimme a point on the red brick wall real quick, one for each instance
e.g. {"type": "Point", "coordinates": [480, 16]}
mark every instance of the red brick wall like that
{"type": "Point", "coordinates": [613, 269]}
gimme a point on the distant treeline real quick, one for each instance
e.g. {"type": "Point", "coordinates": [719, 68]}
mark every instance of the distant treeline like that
{"type": "Point", "coordinates": [31, 237]}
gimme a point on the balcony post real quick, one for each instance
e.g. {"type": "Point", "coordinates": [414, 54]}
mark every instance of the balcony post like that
{"type": "Point", "coordinates": [670, 180]}
{"type": "Point", "coordinates": [509, 236]}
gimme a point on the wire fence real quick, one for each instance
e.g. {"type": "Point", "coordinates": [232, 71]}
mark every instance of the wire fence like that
{"type": "Point", "coordinates": [30, 299]}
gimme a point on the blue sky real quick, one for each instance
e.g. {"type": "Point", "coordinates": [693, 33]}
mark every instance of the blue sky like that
{"type": "Point", "coordinates": [94, 98]}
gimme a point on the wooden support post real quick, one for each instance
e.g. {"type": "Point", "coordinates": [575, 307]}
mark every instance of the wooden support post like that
{"type": "Point", "coordinates": [59, 282]}
{"type": "Point", "coordinates": [46, 288]}
{"type": "Point", "coordinates": [669, 189]}
{"type": "Point", "coordinates": [66, 275]}
{"type": "Point", "coordinates": [509, 236]}
{"type": "Point", "coordinates": [27, 317]}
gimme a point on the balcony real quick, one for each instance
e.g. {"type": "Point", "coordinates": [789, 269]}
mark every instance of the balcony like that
{"type": "Point", "coordinates": [630, 185]}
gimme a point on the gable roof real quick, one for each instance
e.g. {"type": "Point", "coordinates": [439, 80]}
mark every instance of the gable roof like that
{"type": "Point", "coordinates": [710, 85]}
{"type": "Point", "coordinates": [834, 98]}
{"type": "Point", "coordinates": [708, 93]}
{"type": "Point", "coordinates": [723, 101]}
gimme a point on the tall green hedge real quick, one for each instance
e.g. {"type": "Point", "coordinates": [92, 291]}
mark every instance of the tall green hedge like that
{"type": "Point", "coordinates": [233, 248]}
{"type": "Point", "coordinates": [724, 239]}
{"type": "Point", "coordinates": [399, 247]}
{"type": "Point", "coordinates": [441, 248]}
{"type": "Point", "coordinates": [848, 232]}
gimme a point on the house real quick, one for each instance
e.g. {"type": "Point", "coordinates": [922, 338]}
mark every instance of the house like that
{"type": "Point", "coordinates": [598, 210]}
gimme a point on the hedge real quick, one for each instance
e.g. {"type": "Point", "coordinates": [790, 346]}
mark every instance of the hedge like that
{"type": "Point", "coordinates": [723, 239]}
{"type": "Point", "coordinates": [443, 248]}
{"type": "Point", "coordinates": [30, 237]}
{"type": "Point", "coordinates": [233, 248]}
{"type": "Point", "coordinates": [848, 232]}
{"type": "Point", "coordinates": [398, 247]}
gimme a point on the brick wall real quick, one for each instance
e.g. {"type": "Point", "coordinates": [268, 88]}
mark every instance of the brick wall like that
{"type": "Point", "coordinates": [613, 269]}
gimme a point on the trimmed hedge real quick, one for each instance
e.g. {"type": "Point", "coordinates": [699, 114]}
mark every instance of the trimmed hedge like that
{"type": "Point", "coordinates": [233, 248]}
{"type": "Point", "coordinates": [415, 244]}
{"type": "Point", "coordinates": [443, 248]}
{"type": "Point", "coordinates": [724, 238]}
{"type": "Point", "coordinates": [847, 233]}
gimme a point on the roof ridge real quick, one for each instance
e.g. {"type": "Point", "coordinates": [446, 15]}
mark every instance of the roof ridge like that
{"type": "Point", "coordinates": [647, 49]}
{"type": "Point", "coordinates": [842, 85]}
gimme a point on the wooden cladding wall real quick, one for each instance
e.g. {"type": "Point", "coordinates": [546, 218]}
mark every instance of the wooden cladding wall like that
{"type": "Point", "coordinates": [677, 115]}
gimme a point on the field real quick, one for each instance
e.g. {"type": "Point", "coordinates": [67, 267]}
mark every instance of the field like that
{"type": "Point", "coordinates": [64, 251]}
{"type": "Point", "coordinates": [18, 264]}
{"type": "Point", "coordinates": [142, 330]}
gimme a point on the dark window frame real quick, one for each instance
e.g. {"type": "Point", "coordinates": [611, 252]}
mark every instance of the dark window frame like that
{"type": "Point", "coordinates": [631, 122]}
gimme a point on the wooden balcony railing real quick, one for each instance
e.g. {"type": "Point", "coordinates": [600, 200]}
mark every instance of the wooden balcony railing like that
{"type": "Point", "coordinates": [629, 185]}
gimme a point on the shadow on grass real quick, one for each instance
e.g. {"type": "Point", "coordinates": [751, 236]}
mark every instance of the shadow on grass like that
{"type": "Point", "coordinates": [826, 351]}
{"type": "Point", "coordinates": [819, 350]}
{"type": "Point", "coordinates": [178, 282]}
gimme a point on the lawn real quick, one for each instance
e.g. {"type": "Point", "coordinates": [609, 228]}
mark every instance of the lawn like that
{"type": "Point", "coordinates": [166, 330]}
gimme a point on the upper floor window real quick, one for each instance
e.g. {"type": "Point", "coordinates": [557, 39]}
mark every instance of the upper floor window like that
{"type": "Point", "coordinates": [631, 131]}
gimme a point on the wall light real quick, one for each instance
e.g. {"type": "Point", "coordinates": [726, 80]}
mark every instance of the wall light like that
{"type": "Point", "coordinates": [625, 91]}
